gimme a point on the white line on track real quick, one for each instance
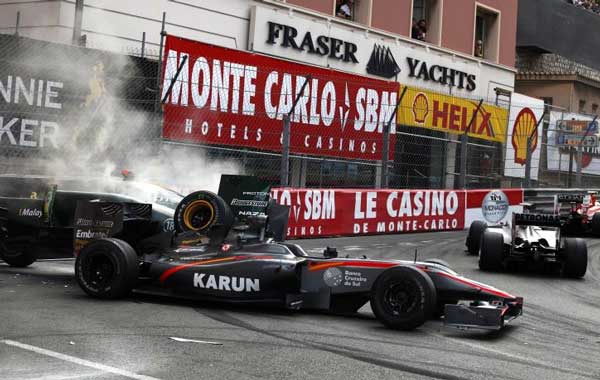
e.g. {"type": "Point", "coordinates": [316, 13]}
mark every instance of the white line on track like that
{"type": "Point", "coordinates": [72, 359]}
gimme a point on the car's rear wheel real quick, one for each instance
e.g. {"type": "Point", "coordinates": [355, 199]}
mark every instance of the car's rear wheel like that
{"type": "Point", "coordinates": [107, 268]}
{"type": "Point", "coordinates": [201, 210]}
{"type": "Point", "coordinates": [491, 254]}
{"type": "Point", "coordinates": [474, 236]}
{"type": "Point", "coordinates": [596, 224]}
{"type": "Point", "coordinates": [575, 257]}
{"type": "Point", "coordinates": [403, 298]}
{"type": "Point", "coordinates": [18, 254]}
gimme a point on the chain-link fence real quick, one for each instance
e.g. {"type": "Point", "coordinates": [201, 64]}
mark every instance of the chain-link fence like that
{"type": "Point", "coordinates": [67, 110]}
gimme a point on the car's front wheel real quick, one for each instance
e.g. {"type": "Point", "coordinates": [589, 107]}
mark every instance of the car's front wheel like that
{"type": "Point", "coordinates": [403, 298]}
{"type": "Point", "coordinates": [107, 268]}
{"type": "Point", "coordinates": [575, 257]}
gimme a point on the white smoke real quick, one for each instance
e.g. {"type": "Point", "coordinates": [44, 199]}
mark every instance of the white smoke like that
{"type": "Point", "coordinates": [102, 133]}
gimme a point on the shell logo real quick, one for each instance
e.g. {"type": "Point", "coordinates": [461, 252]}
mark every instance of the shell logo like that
{"type": "Point", "coordinates": [523, 128]}
{"type": "Point", "coordinates": [420, 108]}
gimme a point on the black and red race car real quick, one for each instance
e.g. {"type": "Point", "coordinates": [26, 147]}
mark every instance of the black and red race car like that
{"type": "Point", "coordinates": [233, 250]}
{"type": "Point", "coordinates": [583, 215]}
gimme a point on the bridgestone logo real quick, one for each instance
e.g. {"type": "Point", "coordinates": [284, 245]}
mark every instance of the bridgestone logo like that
{"type": "Point", "coordinates": [89, 234]}
{"type": "Point", "coordinates": [248, 203]}
{"type": "Point", "coordinates": [230, 284]}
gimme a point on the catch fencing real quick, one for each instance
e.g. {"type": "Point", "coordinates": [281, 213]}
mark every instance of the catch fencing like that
{"type": "Point", "coordinates": [69, 110]}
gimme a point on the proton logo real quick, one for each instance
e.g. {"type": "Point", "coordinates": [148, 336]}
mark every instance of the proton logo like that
{"type": "Point", "coordinates": [494, 206]}
{"type": "Point", "coordinates": [524, 127]}
{"type": "Point", "coordinates": [344, 114]}
{"type": "Point", "coordinates": [382, 62]}
{"type": "Point", "coordinates": [333, 277]}
{"type": "Point", "coordinates": [420, 108]}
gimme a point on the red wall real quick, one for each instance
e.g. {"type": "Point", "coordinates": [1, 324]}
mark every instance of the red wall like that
{"type": "Point", "coordinates": [323, 6]}
{"type": "Point", "coordinates": [458, 27]}
{"type": "Point", "coordinates": [458, 22]}
{"type": "Point", "coordinates": [397, 21]}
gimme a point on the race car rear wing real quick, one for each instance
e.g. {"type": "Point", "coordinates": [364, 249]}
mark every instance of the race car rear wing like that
{"type": "Point", "coordinates": [542, 220]}
{"type": "Point", "coordinates": [570, 198]}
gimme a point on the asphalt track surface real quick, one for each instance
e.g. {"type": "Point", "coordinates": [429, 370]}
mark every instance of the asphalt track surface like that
{"type": "Point", "coordinates": [50, 330]}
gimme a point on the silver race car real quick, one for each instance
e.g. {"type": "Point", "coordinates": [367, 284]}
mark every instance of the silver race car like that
{"type": "Point", "coordinates": [530, 238]}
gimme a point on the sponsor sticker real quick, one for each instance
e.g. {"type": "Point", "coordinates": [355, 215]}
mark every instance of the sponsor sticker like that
{"type": "Point", "coordinates": [495, 206]}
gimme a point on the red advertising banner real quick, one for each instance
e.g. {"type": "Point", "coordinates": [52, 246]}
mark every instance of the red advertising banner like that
{"type": "Point", "coordinates": [329, 212]}
{"type": "Point", "coordinates": [230, 97]}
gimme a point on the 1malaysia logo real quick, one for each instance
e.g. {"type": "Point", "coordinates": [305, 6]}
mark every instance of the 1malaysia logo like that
{"type": "Point", "coordinates": [30, 212]}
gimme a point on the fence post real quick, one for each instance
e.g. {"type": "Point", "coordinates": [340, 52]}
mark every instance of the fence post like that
{"type": "Point", "coordinates": [385, 150]}
{"type": "Point", "coordinates": [18, 24]}
{"type": "Point", "coordinates": [143, 44]}
{"type": "Point", "coordinates": [78, 19]}
{"type": "Point", "coordinates": [284, 176]}
{"type": "Point", "coordinates": [529, 152]}
{"type": "Point", "coordinates": [285, 153]}
{"type": "Point", "coordinates": [528, 155]}
{"type": "Point", "coordinates": [163, 33]}
{"type": "Point", "coordinates": [579, 162]}
{"type": "Point", "coordinates": [464, 140]}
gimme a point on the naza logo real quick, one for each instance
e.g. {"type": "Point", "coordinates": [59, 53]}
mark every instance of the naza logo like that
{"type": "Point", "coordinates": [525, 126]}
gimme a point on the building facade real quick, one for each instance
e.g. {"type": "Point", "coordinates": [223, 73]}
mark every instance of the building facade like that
{"type": "Point", "coordinates": [461, 48]}
{"type": "Point", "coordinates": [562, 67]}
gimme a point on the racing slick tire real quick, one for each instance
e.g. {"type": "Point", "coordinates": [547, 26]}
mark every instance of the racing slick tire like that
{"type": "Point", "coordinates": [575, 257]}
{"type": "Point", "coordinates": [201, 210]}
{"type": "Point", "coordinates": [596, 224]}
{"type": "Point", "coordinates": [474, 236]}
{"type": "Point", "coordinates": [403, 298]}
{"type": "Point", "coordinates": [492, 251]}
{"type": "Point", "coordinates": [19, 258]}
{"type": "Point", "coordinates": [107, 268]}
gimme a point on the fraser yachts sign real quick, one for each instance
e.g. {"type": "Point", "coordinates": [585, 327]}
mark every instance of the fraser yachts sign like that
{"type": "Point", "coordinates": [328, 44]}
{"type": "Point", "coordinates": [231, 97]}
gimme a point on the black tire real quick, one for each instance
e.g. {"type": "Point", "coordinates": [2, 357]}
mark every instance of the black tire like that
{"type": "Point", "coordinates": [575, 257]}
{"type": "Point", "coordinates": [19, 252]}
{"type": "Point", "coordinates": [438, 261]}
{"type": "Point", "coordinates": [20, 258]}
{"type": "Point", "coordinates": [201, 210]}
{"type": "Point", "coordinates": [596, 224]}
{"type": "Point", "coordinates": [491, 254]}
{"type": "Point", "coordinates": [403, 298]}
{"type": "Point", "coordinates": [107, 268]}
{"type": "Point", "coordinates": [474, 236]}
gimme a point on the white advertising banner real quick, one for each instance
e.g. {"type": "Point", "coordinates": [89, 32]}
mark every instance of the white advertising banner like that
{"type": "Point", "coordinates": [525, 112]}
{"type": "Point", "coordinates": [327, 43]}
{"type": "Point", "coordinates": [558, 152]}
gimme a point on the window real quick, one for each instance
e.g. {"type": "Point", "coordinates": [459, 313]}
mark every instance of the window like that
{"type": "Point", "coordinates": [581, 106]}
{"type": "Point", "coordinates": [427, 21]}
{"type": "Point", "coordinates": [547, 104]}
{"type": "Point", "coordinates": [594, 108]}
{"type": "Point", "coordinates": [354, 10]}
{"type": "Point", "coordinates": [486, 44]}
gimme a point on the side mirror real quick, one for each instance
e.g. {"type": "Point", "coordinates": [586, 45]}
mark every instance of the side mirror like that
{"type": "Point", "coordinates": [330, 253]}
